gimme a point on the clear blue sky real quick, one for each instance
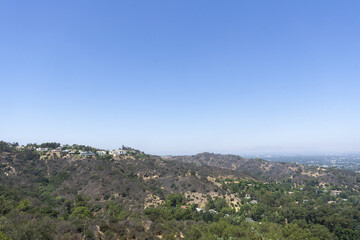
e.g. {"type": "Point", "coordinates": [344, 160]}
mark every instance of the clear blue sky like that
{"type": "Point", "coordinates": [181, 77]}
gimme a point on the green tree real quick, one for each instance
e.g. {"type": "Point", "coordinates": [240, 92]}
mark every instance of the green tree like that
{"type": "Point", "coordinates": [24, 205]}
{"type": "Point", "coordinates": [172, 200]}
{"type": "Point", "coordinates": [81, 212]}
{"type": "Point", "coordinates": [217, 204]}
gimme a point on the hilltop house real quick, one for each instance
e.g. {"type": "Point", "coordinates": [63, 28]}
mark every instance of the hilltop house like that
{"type": "Point", "coordinates": [42, 149]}
{"type": "Point", "coordinates": [101, 153]}
{"type": "Point", "coordinates": [72, 152]}
{"type": "Point", "coordinates": [118, 152]}
{"type": "Point", "coordinates": [86, 153]}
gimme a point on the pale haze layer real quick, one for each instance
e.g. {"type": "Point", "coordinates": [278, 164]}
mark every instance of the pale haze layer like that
{"type": "Point", "coordinates": [181, 77]}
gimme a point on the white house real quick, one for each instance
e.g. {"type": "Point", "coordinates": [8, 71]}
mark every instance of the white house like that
{"type": "Point", "coordinates": [335, 192]}
{"type": "Point", "coordinates": [118, 152]}
{"type": "Point", "coordinates": [212, 211]}
{"type": "Point", "coordinates": [42, 149]}
{"type": "Point", "coordinates": [101, 153]}
{"type": "Point", "coordinates": [253, 202]}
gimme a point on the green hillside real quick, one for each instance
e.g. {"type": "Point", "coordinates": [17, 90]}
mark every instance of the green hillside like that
{"type": "Point", "coordinates": [59, 194]}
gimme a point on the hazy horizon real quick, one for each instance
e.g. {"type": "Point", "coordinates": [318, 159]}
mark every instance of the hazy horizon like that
{"type": "Point", "coordinates": [182, 77]}
{"type": "Point", "coordinates": [174, 153]}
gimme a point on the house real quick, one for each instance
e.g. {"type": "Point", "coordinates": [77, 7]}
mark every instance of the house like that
{"type": "Point", "coordinates": [72, 152]}
{"type": "Point", "coordinates": [86, 153]}
{"type": "Point", "coordinates": [247, 196]}
{"type": "Point", "coordinates": [42, 149]}
{"type": "Point", "coordinates": [101, 153]}
{"type": "Point", "coordinates": [118, 152]}
{"type": "Point", "coordinates": [199, 209]}
{"type": "Point", "coordinates": [184, 207]}
{"type": "Point", "coordinates": [335, 193]}
{"type": "Point", "coordinates": [253, 202]}
{"type": "Point", "coordinates": [212, 211]}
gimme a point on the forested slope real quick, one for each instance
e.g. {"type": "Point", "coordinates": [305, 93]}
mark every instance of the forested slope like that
{"type": "Point", "coordinates": [55, 195]}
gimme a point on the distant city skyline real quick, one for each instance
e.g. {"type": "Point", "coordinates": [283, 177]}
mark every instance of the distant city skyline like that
{"type": "Point", "coordinates": [182, 77]}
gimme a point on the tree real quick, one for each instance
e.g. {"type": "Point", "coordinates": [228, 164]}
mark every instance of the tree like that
{"type": "Point", "coordinates": [3, 236]}
{"type": "Point", "coordinates": [172, 200]}
{"type": "Point", "coordinates": [24, 205]}
{"type": "Point", "coordinates": [81, 212]}
{"type": "Point", "coordinates": [5, 147]}
{"type": "Point", "coordinates": [217, 204]}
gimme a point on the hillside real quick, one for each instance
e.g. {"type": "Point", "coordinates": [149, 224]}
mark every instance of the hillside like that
{"type": "Point", "coordinates": [129, 178]}
{"type": "Point", "coordinates": [52, 194]}
{"type": "Point", "coordinates": [267, 170]}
